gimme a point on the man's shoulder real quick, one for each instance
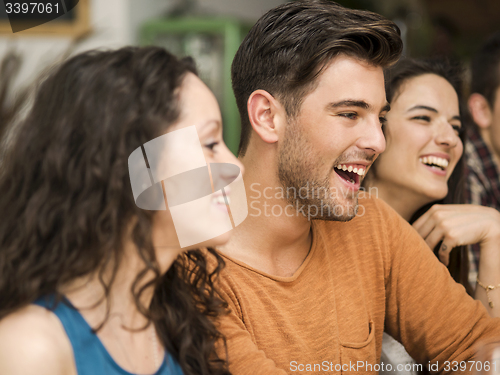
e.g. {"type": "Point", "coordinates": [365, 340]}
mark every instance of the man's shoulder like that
{"type": "Point", "coordinates": [375, 205]}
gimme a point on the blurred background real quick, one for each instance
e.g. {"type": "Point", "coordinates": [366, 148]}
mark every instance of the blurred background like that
{"type": "Point", "coordinates": [210, 31]}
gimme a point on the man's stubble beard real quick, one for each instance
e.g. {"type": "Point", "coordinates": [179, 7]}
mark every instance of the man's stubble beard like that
{"type": "Point", "coordinates": [298, 168]}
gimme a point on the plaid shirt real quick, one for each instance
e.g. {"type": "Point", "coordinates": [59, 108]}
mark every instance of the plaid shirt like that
{"type": "Point", "coordinates": [483, 185]}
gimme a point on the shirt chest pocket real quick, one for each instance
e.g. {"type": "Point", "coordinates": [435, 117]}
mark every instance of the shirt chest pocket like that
{"type": "Point", "coordinates": [356, 328]}
{"type": "Point", "coordinates": [360, 356]}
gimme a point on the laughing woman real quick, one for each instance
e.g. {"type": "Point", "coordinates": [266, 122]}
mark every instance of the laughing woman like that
{"type": "Point", "coordinates": [90, 284]}
{"type": "Point", "coordinates": [421, 175]}
{"type": "Point", "coordinates": [421, 172]}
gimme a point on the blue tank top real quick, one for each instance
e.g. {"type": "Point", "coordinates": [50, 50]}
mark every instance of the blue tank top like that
{"type": "Point", "coordinates": [91, 357]}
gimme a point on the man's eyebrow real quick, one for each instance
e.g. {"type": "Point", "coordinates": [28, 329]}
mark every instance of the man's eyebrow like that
{"type": "Point", "coordinates": [356, 103]}
{"type": "Point", "coordinates": [423, 107]}
{"type": "Point", "coordinates": [349, 103]}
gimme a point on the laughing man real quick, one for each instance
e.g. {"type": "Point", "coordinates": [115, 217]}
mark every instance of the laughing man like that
{"type": "Point", "coordinates": [315, 273]}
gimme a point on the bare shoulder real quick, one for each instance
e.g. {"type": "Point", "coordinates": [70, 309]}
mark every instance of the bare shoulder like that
{"type": "Point", "coordinates": [33, 340]}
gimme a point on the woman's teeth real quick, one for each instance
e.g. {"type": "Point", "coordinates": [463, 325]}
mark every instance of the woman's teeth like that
{"type": "Point", "coordinates": [220, 200]}
{"type": "Point", "coordinates": [434, 160]}
{"type": "Point", "coordinates": [358, 170]}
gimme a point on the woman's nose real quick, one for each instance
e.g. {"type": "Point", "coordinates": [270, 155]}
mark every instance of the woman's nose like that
{"type": "Point", "coordinates": [446, 135]}
{"type": "Point", "coordinates": [226, 170]}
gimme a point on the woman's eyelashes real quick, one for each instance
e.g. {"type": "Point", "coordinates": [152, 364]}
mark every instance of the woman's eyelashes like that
{"type": "Point", "coordinates": [422, 118]}
{"type": "Point", "coordinates": [457, 128]}
{"type": "Point", "coordinates": [211, 145]}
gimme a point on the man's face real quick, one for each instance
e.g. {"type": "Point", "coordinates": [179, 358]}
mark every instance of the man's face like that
{"type": "Point", "coordinates": [334, 139]}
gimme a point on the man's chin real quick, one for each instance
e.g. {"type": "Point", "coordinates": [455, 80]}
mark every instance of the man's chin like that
{"type": "Point", "coordinates": [336, 211]}
{"type": "Point", "coordinates": [343, 218]}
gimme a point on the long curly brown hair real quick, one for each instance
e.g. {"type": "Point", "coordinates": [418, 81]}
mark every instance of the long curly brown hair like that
{"type": "Point", "coordinates": [66, 200]}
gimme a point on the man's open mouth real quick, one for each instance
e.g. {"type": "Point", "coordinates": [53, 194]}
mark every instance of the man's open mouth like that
{"type": "Point", "coordinates": [351, 173]}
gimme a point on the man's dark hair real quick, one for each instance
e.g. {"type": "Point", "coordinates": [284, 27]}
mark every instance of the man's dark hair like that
{"type": "Point", "coordinates": [486, 69]}
{"type": "Point", "coordinates": [290, 45]}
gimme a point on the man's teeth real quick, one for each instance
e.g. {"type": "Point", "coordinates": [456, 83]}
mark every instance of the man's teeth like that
{"type": "Point", "coordinates": [220, 200]}
{"type": "Point", "coordinates": [434, 160]}
{"type": "Point", "coordinates": [360, 171]}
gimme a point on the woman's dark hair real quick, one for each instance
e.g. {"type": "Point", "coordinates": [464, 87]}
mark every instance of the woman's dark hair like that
{"type": "Point", "coordinates": [67, 203]}
{"type": "Point", "coordinates": [289, 46]}
{"type": "Point", "coordinates": [395, 78]}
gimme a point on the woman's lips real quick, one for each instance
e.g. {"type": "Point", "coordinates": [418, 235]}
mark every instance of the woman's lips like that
{"type": "Point", "coordinates": [219, 201]}
{"type": "Point", "coordinates": [436, 170]}
{"type": "Point", "coordinates": [436, 164]}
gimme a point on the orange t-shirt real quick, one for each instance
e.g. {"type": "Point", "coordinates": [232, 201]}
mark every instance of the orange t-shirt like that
{"type": "Point", "coordinates": [328, 318]}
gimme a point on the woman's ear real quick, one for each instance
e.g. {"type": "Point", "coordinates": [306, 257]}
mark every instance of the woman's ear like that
{"type": "Point", "coordinates": [480, 110]}
{"type": "Point", "coordinates": [262, 113]}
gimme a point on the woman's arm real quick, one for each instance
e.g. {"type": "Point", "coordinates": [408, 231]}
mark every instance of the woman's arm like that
{"type": "Point", "coordinates": [467, 224]}
{"type": "Point", "coordinates": [33, 342]}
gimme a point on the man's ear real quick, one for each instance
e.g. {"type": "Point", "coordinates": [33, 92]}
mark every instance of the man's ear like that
{"type": "Point", "coordinates": [262, 110]}
{"type": "Point", "coordinates": [480, 110]}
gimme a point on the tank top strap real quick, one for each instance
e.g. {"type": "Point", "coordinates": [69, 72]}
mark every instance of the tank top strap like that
{"type": "Point", "coordinates": [91, 357]}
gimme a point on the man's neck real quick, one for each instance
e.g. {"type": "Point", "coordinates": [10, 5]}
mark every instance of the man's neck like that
{"type": "Point", "coordinates": [273, 238]}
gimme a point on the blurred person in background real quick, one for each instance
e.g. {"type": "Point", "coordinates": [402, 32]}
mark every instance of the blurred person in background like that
{"type": "Point", "coordinates": [482, 145]}
{"type": "Point", "coordinates": [90, 284]}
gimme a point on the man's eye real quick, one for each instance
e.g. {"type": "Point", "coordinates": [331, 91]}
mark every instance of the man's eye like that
{"type": "Point", "coordinates": [211, 146]}
{"type": "Point", "coordinates": [350, 116]}
{"type": "Point", "coordinates": [382, 120]}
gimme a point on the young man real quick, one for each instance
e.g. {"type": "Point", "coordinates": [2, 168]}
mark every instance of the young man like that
{"type": "Point", "coordinates": [482, 148]}
{"type": "Point", "coordinates": [312, 274]}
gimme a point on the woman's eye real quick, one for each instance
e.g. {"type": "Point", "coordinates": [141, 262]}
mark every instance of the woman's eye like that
{"type": "Point", "coordinates": [350, 116]}
{"type": "Point", "coordinates": [211, 146]}
{"type": "Point", "coordinates": [422, 118]}
{"type": "Point", "coordinates": [382, 120]}
{"type": "Point", "coordinates": [457, 128]}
